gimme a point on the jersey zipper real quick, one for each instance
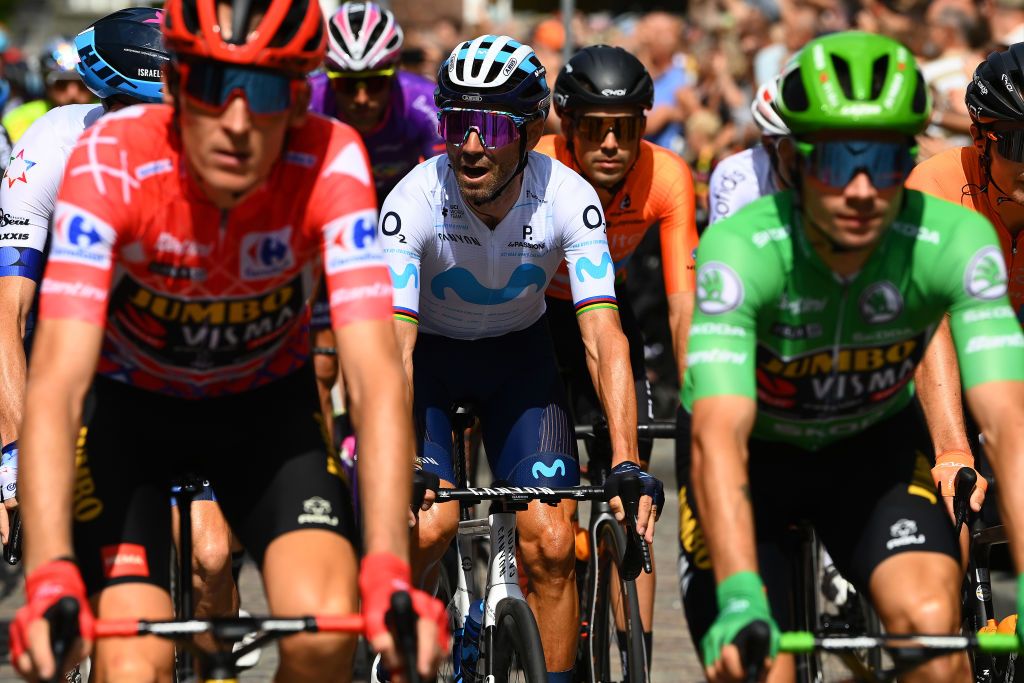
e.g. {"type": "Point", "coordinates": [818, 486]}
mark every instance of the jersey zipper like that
{"type": "Point", "coordinates": [225, 216]}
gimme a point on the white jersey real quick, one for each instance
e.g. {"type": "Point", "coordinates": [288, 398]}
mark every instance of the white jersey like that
{"type": "Point", "coordinates": [738, 180]}
{"type": "Point", "coordinates": [458, 278]}
{"type": "Point", "coordinates": [28, 191]}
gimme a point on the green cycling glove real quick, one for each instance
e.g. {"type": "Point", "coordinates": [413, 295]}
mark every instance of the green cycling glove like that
{"type": "Point", "coordinates": [741, 601]}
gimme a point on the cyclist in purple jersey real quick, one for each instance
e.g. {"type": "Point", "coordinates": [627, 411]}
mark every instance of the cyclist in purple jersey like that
{"type": "Point", "coordinates": [405, 134]}
{"type": "Point", "coordinates": [394, 113]}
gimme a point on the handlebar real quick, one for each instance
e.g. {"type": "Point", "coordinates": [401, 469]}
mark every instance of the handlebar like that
{"type": "Point", "coordinates": [659, 429]}
{"type": "Point", "coordinates": [963, 488]}
{"type": "Point", "coordinates": [12, 551]}
{"type": "Point", "coordinates": [637, 555]}
{"type": "Point", "coordinates": [63, 619]}
{"type": "Point", "coordinates": [803, 642]}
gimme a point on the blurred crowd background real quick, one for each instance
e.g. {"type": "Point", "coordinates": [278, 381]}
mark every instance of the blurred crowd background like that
{"type": "Point", "coordinates": [707, 58]}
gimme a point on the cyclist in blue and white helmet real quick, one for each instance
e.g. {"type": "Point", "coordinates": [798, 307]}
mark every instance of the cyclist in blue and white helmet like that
{"type": "Point", "coordinates": [121, 57]}
{"type": "Point", "coordinates": [504, 78]}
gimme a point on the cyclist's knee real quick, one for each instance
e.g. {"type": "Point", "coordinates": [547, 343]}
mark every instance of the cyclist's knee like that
{"type": "Point", "coordinates": [316, 657]}
{"type": "Point", "coordinates": [549, 550]}
{"type": "Point", "coordinates": [134, 662]}
{"type": "Point", "coordinates": [437, 527]}
{"type": "Point", "coordinates": [211, 554]}
{"type": "Point", "coordinates": [935, 613]}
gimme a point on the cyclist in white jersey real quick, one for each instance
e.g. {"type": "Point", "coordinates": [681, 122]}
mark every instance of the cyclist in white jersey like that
{"type": "Point", "coordinates": [472, 239]}
{"type": "Point", "coordinates": [121, 60]}
{"type": "Point", "coordinates": [759, 170]}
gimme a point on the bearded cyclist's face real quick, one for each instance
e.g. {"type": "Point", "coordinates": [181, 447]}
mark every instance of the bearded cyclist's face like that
{"type": "Point", "coordinates": [362, 103]}
{"type": "Point", "coordinates": [606, 142]}
{"type": "Point", "coordinates": [480, 171]}
{"type": "Point", "coordinates": [853, 216]}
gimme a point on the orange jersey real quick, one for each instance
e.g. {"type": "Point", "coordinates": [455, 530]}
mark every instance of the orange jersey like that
{"type": "Point", "coordinates": [658, 189]}
{"type": "Point", "coordinates": [955, 175]}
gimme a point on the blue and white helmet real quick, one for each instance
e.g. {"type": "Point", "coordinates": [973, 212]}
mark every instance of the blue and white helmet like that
{"type": "Point", "coordinates": [123, 54]}
{"type": "Point", "coordinates": [493, 72]}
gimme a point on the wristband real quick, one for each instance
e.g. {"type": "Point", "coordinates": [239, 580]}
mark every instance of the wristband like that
{"type": "Point", "coordinates": [947, 464]}
{"type": "Point", "coordinates": [9, 471]}
{"type": "Point", "coordinates": [741, 586]}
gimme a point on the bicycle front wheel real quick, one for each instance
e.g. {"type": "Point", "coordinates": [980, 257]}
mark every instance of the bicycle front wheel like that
{"type": "Point", "coordinates": [518, 654]}
{"type": "Point", "coordinates": [615, 646]}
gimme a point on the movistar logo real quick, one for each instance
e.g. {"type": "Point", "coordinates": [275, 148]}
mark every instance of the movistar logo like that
{"type": "Point", "coordinates": [540, 469]}
{"type": "Point", "coordinates": [401, 280]}
{"type": "Point", "coordinates": [469, 289]}
{"type": "Point", "coordinates": [595, 272]}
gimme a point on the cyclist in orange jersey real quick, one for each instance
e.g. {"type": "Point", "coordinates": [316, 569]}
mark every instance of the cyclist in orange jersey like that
{"type": "Point", "coordinates": [601, 95]}
{"type": "Point", "coordinates": [989, 175]}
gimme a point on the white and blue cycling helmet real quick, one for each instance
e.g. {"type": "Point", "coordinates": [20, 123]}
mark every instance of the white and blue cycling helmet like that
{"type": "Point", "coordinates": [493, 72]}
{"type": "Point", "coordinates": [123, 54]}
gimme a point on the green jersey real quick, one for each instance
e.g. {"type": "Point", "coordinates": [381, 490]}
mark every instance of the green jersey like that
{"type": "Point", "coordinates": [827, 357]}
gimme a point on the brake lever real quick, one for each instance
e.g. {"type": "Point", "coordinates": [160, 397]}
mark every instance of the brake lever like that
{"type": "Point", "coordinates": [963, 488]}
{"type": "Point", "coordinates": [62, 617]}
{"type": "Point", "coordinates": [12, 551]}
{"type": "Point", "coordinates": [636, 546]}
{"type": "Point", "coordinates": [401, 622]}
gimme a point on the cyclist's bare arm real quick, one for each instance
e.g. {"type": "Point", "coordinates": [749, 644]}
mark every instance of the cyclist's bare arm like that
{"type": "Point", "coordinates": [64, 357]}
{"type": "Point", "coordinates": [608, 361]}
{"type": "Point", "coordinates": [721, 428]}
{"type": "Point", "coordinates": [680, 314]}
{"type": "Point", "coordinates": [999, 409]}
{"type": "Point", "coordinates": [382, 414]}
{"type": "Point", "coordinates": [16, 295]}
{"type": "Point", "coordinates": [406, 335]}
{"type": "Point", "coordinates": [938, 388]}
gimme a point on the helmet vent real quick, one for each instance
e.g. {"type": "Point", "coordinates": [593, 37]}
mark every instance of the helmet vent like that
{"type": "Point", "coordinates": [920, 102]}
{"type": "Point", "coordinates": [290, 25]}
{"type": "Point", "coordinates": [315, 40]}
{"type": "Point", "coordinates": [794, 94]}
{"type": "Point", "coordinates": [842, 69]}
{"type": "Point", "coordinates": [190, 14]}
{"type": "Point", "coordinates": [879, 70]}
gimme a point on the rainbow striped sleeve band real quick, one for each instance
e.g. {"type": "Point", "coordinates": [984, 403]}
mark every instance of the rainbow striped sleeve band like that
{"type": "Point", "coordinates": [596, 302]}
{"type": "Point", "coordinates": [406, 315]}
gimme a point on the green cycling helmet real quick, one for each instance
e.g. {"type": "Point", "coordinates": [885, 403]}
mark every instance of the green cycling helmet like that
{"type": "Point", "coordinates": [853, 81]}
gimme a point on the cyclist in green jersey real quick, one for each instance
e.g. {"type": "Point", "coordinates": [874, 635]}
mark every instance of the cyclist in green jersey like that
{"type": "Point", "coordinates": [814, 307]}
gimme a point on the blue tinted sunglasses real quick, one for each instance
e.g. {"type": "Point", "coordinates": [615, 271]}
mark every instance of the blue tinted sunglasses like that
{"type": "Point", "coordinates": [212, 85]}
{"type": "Point", "coordinates": [836, 163]}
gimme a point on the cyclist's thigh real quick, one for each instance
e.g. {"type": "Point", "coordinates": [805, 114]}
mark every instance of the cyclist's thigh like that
{"type": "Point", "coordinates": [527, 432]}
{"type": "Point", "coordinates": [877, 500]}
{"type": "Point", "coordinates": [280, 476]}
{"type": "Point", "coordinates": [122, 520]}
{"type": "Point", "coordinates": [437, 368]}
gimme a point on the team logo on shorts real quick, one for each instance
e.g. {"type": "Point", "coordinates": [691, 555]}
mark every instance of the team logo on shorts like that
{"type": "Point", "coordinates": [316, 510]}
{"type": "Point", "coordinates": [719, 289]}
{"type": "Point", "coordinates": [985, 277]}
{"type": "Point", "coordinates": [880, 303]}
{"type": "Point", "coordinates": [904, 532]}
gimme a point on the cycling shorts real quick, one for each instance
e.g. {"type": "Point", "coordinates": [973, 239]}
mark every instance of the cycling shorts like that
{"type": "Point", "coordinates": [572, 362]}
{"type": "Point", "coordinates": [512, 382]}
{"type": "Point", "coordinates": [263, 451]}
{"type": "Point", "coordinates": [869, 497]}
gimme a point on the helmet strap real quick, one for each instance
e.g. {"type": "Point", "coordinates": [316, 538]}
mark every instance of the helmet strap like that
{"type": "Point", "coordinates": [986, 169]}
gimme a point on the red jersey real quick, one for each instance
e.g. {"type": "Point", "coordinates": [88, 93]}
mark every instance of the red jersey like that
{"type": "Point", "coordinates": [197, 301]}
{"type": "Point", "coordinates": [657, 190]}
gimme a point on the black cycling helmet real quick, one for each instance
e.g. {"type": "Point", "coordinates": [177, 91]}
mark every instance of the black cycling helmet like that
{"type": "Point", "coordinates": [995, 92]}
{"type": "Point", "coordinates": [603, 75]}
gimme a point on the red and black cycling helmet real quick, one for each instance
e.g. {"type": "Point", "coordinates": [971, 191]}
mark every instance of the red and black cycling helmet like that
{"type": "Point", "coordinates": [289, 35]}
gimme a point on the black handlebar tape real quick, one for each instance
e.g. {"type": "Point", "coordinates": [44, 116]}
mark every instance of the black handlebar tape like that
{"type": "Point", "coordinates": [421, 483]}
{"type": "Point", "coordinates": [63, 619]}
{"type": "Point", "coordinates": [401, 621]}
{"type": "Point", "coordinates": [752, 642]}
{"type": "Point", "coordinates": [963, 487]}
{"type": "Point", "coordinates": [12, 551]}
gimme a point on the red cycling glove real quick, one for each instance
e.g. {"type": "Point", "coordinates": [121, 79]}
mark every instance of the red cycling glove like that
{"type": "Point", "coordinates": [45, 586]}
{"type": "Point", "coordinates": [380, 575]}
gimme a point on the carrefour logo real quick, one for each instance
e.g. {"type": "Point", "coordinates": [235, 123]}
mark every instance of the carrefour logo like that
{"type": "Point", "coordinates": [82, 238]}
{"type": "Point", "coordinates": [265, 254]}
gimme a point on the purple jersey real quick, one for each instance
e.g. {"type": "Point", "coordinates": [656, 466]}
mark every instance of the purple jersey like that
{"type": "Point", "coordinates": [406, 136]}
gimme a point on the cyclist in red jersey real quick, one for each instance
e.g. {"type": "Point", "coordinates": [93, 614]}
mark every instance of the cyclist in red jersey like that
{"type": "Point", "coordinates": [186, 245]}
{"type": "Point", "coordinates": [601, 95]}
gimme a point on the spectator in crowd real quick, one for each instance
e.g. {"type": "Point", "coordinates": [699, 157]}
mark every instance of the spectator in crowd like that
{"type": "Point", "coordinates": [948, 60]}
{"type": "Point", "coordinates": [1006, 21]}
{"type": "Point", "coordinates": [658, 47]}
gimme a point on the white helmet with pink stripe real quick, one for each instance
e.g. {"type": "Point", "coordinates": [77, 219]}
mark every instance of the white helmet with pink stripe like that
{"type": "Point", "coordinates": [363, 36]}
